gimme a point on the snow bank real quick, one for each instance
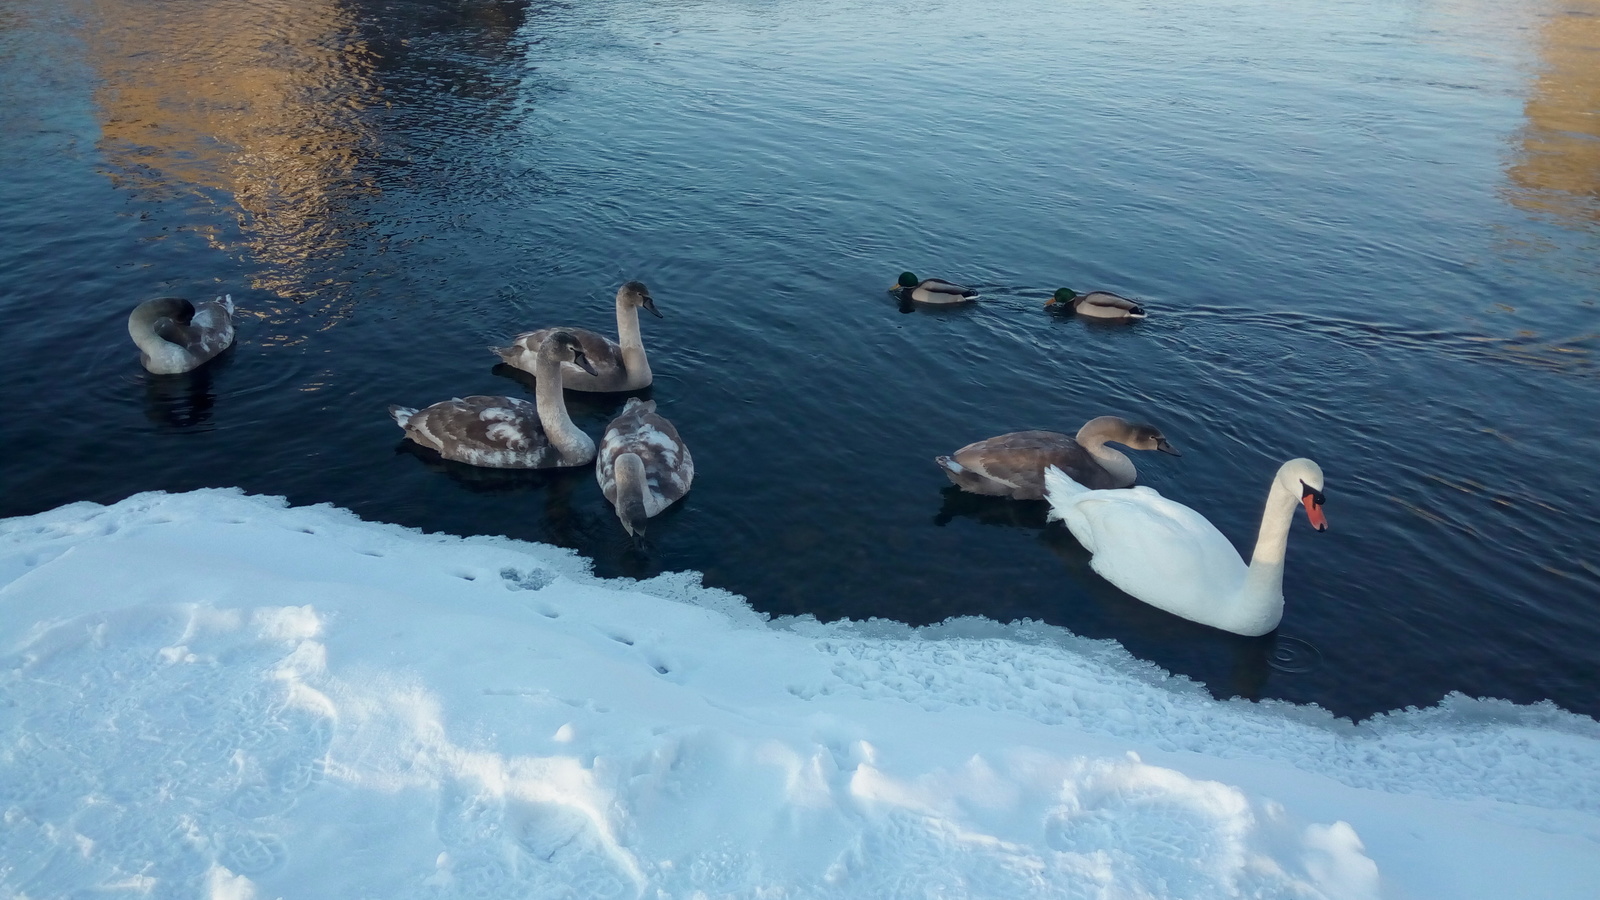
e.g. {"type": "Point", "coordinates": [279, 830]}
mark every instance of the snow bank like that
{"type": "Point", "coordinates": [214, 695]}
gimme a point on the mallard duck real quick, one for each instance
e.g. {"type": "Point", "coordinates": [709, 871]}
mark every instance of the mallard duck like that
{"type": "Point", "coordinates": [506, 432]}
{"type": "Point", "coordinates": [1097, 304]}
{"type": "Point", "coordinates": [175, 336]}
{"type": "Point", "coordinates": [1012, 465]}
{"type": "Point", "coordinates": [1172, 558]}
{"type": "Point", "coordinates": [616, 366]}
{"type": "Point", "coordinates": [931, 290]}
{"type": "Point", "coordinates": [643, 466]}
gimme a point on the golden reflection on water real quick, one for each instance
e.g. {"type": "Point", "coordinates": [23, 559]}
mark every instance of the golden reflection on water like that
{"type": "Point", "coordinates": [262, 101]}
{"type": "Point", "coordinates": [258, 99]}
{"type": "Point", "coordinates": [1556, 168]}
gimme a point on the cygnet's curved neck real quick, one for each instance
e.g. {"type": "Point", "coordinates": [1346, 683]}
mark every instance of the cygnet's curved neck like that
{"type": "Point", "coordinates": [143, 322]}
{"type": "Point", "coordinates": [632, 485]}
{"type": "Point", "coordinates": [572, 443]}
{"type": "Point", "coordinates": [1116, 463]}
{"type": "Point", "coordinates": [631, 341]}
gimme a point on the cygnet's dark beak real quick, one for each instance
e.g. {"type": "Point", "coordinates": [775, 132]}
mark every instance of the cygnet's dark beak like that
{"type": "Point", "coordinates": [650, 304]}
{"type": "Point", "coordinates": [581, 360]}
{"type": "Point", "coordinates": [1164, 447]}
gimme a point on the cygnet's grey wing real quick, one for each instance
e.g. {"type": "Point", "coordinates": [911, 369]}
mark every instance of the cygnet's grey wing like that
{"type": "Point", "coordinates": [669, 469]}
{"type": "Point", "coordinates": [207, 332]}
{"type": "Point", "coordinates": [603, 353]}
{"type": "Point", "coordinates": [494, 432]}
{"type": "Point", "coordinates": [210, 330]}
{"type": "Point", "coordinates": [666, 459]}
{"type": "Point", "coordinates": [1019, 459]}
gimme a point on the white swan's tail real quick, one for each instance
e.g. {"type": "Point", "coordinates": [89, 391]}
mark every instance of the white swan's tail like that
{"type": "Point", "coordinates": [1060, 490]}
{"type": "Point", "coordinates": [402, 414]}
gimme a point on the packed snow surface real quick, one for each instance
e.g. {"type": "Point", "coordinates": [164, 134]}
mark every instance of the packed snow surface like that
{"type": "Point", "coordinates": [215, 695]}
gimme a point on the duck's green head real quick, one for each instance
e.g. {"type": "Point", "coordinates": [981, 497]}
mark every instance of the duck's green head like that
{"type": "Point", "coordinates": [908, 280]}
{"type": "Point", "coordinates": [1062, 295]}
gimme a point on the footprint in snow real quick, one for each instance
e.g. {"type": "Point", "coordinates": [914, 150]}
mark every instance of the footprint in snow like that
{"type": "Point", "coordinates": [252, 853]}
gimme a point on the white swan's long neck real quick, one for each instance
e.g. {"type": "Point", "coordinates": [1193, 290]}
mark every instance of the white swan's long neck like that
{"type": "Point", "coordinates": [1262, 590]}
{"type": "Point", "coordinates": [1114, 461]}
{"type": "Point", "coordinates": [631, 341]}
{"type": "Point", "coordinates": [552, 404]}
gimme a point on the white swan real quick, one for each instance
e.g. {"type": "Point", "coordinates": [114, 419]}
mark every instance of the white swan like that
{"type": "Point", "coordinates": [505, 432]}
{"type": "Point", "coordinates": [1172, 558]}
{"type": "Point", "coordinates": [175, 336]}
{"type": "Point", "coordinates": [643, 466]}
{"type": "Point", "coordinates": [618, 365]}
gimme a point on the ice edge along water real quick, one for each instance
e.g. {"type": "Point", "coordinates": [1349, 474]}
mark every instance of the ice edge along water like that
{"type": "Point", "coordinates": [213, 694]}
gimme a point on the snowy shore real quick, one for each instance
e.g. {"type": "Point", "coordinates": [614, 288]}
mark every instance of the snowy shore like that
{"type": "Point", "coordinates": [215, 695]}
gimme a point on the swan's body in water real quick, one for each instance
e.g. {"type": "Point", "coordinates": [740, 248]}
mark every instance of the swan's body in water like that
{"type": "Point", "coordinates": [505, 432]}
{"type": "Point", "coordinates": [643, 466]}
{"type": "Point", "coordinates": [1012, 465]}
{"type": "Point", "coordinates": [1172, 558]}
{"type": "Point", "coordinates": [931, 290]}
{"type": "Point", "coordinates": [175, 336]}
{"type": "Point", "coordinates": [618, 365]}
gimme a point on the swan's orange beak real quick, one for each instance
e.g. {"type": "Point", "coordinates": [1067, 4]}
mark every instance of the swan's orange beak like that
{"type": "Point", "coordinates": [1314, 512]}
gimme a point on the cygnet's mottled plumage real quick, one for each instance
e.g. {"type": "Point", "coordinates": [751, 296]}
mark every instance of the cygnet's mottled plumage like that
{"type": "Point", "coordinates": [619, 365]}
{"type": "Point", "coordinates": [1012, 465]}
{"type": "Point", "coordinates": [643, 466]}
{"type": "Point", "coordinates": [505, 432]}
{"type": "Point", "coordinates": [175, 336]}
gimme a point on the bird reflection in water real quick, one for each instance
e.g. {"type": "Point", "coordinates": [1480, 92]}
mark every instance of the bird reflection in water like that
{"type": "Point", "coordinates": [575, 514]}
{"type": "Point", "coordinates": [564, 524]}
{"type": "Point", "coordinates": [183, 401]}
{"type": "Point", "coordinates": [987, 510]}
{"type": "Point", "coordinates": [1256, 660]}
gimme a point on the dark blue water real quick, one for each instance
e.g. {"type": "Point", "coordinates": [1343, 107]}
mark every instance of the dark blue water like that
{"type": "Point", "coordinates": [1368, 232]}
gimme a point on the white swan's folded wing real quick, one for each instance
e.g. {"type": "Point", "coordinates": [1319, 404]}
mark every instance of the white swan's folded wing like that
{"type": "Point", "coordinates": [1063, 495]}
{"type": "Point", "coordinates": [1162, 552]}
